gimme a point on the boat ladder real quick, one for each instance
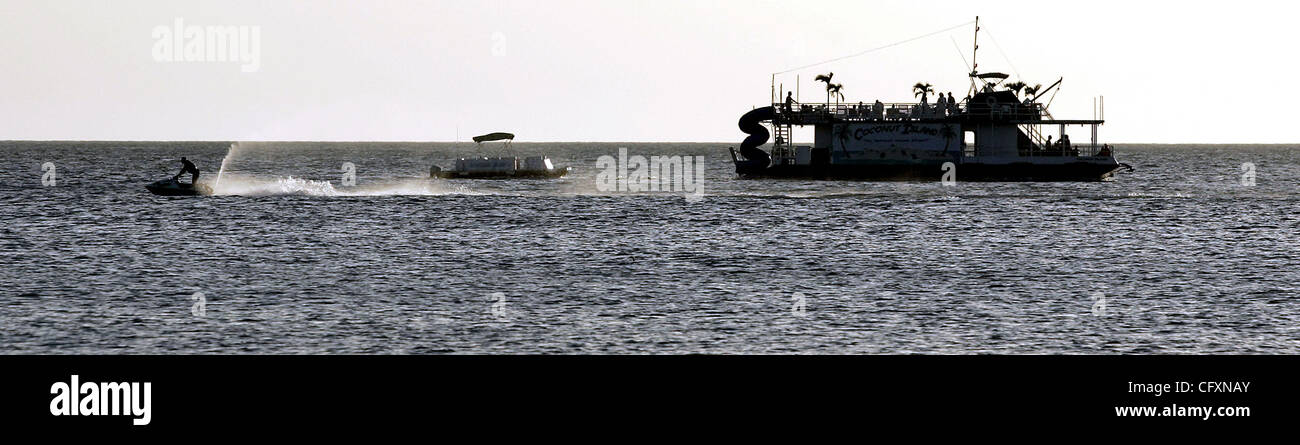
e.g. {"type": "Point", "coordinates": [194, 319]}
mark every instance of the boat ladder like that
{"type": "Point", "coordinates": [782, 147]}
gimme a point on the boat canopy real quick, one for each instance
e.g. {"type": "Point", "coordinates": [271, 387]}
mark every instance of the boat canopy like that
{"type": "Point", "coordinates": [992, 76]}
{"type": "Point", "coordinates": [494, 137]}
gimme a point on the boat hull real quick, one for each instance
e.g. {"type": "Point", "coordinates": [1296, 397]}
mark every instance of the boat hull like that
{"type": "Point", "coordinates": [518, 174]}
{"type": "Point", "coordinates": [1001, 172]}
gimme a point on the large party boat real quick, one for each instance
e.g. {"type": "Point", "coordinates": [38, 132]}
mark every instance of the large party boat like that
{"type": "Point", "coordinates": [990, 135]}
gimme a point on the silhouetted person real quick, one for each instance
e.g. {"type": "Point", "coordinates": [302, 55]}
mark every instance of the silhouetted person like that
{"type": "Point", "coordinates": [1049, 143]}
{"type": "Point", "coordinates": [952, 104]}
{"type": "Point", "coordinates": [188, 167]}
{"type": "Point", "coordinates": [789, 101]}
{"type": "Point", "coordinates": [941, 105]}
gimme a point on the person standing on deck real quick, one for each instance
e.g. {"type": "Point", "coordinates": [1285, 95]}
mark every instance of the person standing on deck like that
{"type": "Point", "coordinates": [952, 105]}
{"type": "Point", "coordinates": [789, 101]}
{"type": "Point", "coordinates": [941, 106]}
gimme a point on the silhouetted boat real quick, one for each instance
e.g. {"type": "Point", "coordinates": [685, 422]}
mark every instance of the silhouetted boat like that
{"type": "Point", "coordinates": [531, 167]}
{"type": "Point", "coordinates": [992, 135]}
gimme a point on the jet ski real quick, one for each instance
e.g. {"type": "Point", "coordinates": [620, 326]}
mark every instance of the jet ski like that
{"type": "Point", "coordinates": [172, 187]}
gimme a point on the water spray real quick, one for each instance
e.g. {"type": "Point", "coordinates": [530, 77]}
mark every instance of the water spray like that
{"type": "Point", "coordinates": [234, 147]}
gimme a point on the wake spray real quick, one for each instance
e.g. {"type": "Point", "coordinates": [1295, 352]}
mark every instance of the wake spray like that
{"type": "Point", "coordinates": [234, 147]}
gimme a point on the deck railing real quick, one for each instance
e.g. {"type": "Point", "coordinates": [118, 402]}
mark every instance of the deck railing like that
{"type": "Point", "coordinates": [817, 112]}
{"type": "Point", "coordinates": [863, 111]}
{"type": "Point", "coordinates": [1028, 116]}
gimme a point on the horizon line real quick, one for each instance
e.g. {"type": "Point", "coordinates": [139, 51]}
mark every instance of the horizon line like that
{"type": "Point", "coordinates": [547, 142]}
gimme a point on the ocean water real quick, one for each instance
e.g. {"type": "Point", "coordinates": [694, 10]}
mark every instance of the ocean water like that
{"type": "Point", "coordinates": [1176, 257]}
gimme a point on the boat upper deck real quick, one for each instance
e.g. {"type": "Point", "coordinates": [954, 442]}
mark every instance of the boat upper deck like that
{"type": "Point", "coordinates": [1009, 113]}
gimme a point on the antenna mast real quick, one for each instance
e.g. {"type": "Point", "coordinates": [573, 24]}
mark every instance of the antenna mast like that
{"type": "Point", "coordinates": [974, 65]}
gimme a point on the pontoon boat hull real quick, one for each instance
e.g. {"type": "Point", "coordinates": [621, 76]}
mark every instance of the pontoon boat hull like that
{"type": "Point", "coordinates": [518, 174]}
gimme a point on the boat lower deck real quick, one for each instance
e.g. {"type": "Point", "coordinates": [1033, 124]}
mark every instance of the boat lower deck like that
{"type": "Point", "coordinates": [966, 171]}
{"type": "Point", "coordinates": [517, 174]}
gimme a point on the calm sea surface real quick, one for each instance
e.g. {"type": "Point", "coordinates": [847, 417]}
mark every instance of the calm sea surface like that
{"type": "Point", "coordinates": [1176, 257]}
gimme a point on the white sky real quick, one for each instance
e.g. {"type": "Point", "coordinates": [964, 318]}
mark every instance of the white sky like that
{"type": "Point", "coordinates": [620, 70]}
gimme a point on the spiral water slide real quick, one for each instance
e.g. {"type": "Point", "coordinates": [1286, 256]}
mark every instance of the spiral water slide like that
{"type": "Point", "coordinates": [752, 124]}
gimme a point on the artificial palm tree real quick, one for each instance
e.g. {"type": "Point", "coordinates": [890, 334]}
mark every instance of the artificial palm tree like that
{"type": "Point", "coordinates": [1032, 92]}
{"type": "Point", "coordinates": [826, 78]}
{"type": "Point", "coordinates": [1015, 87]}
{"type": "Point", "coordinates": [835, 89]}
{"type": "Point", "coordinates": [922, 90]}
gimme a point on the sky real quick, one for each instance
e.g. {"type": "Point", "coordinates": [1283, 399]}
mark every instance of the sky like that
{"type": "Point", "coordinates": [623, 70]}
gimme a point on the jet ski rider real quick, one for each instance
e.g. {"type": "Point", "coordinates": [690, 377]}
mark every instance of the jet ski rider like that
{"type": "Point", "coordinates": [188, 167]}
